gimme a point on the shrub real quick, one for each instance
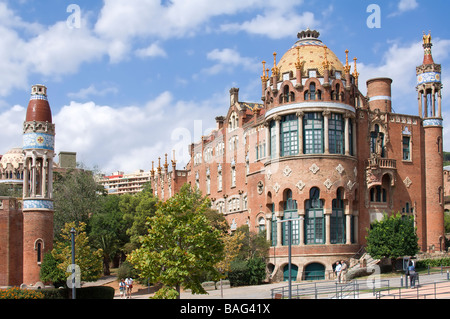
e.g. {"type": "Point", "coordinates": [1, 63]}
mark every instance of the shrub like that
{"type": "Point", "coordinates": [17, 293]}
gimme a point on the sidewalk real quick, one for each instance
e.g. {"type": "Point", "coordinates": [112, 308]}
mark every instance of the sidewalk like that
{"type": "Point", "coordinates": [264, 291]}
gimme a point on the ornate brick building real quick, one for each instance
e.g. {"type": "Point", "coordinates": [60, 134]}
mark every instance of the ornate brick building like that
{"type": "Point", "coordinates": [319, 151]}
{"type": "Point", "coordinates": [26, 224]}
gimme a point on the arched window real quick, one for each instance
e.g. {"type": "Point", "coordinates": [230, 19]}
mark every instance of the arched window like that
{"type": "Point", "coordinates": [312, 91]}
{"type": "Point", "coordinates": [337, 222]}
{"type": "Point", "coordinates": [261, 224]}
{"type": "Point", "coordinates": [290, 212]}
{"type": "Point", "coordinates": [314, 218]}
{"type": "Point", "coordinates": [286, 93]}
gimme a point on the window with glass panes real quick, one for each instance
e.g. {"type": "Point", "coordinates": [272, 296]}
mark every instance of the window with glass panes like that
{"type": "Point", "coordinates": [290, 211]}
{"type": "Point", "coordinates": [336, 134]}
{"type": "Point", "coordinates": [406, 151]}
{"type": "Point", "coordinates": [337, 221]}
{"type": "Point", "coordinates": [313, 133]}
{"type": "Point", "coordinates": [289, 135]}
{"type": "Point", "coordinates": [314, 218]}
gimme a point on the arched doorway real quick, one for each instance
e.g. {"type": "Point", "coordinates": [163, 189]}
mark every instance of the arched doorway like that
{"type": "Point", "coordinates": [315, 271]}
{"type": "Point", "coordinates": [294, 272]}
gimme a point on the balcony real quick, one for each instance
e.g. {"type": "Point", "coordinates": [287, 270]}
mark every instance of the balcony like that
{"type": "Point", "coordinates": [377, 162]}
{"type": "Point", "coordinates": [378, 168]}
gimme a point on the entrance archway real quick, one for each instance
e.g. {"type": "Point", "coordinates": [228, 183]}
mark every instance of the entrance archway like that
{"type": "Point", "coordinates": [315, 271]}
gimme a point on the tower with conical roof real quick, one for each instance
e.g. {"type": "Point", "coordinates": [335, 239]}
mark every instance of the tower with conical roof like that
{"type": "Point", "coordinates": [429, 97]}
{"type": "Point", "coordinates": [38, 149]}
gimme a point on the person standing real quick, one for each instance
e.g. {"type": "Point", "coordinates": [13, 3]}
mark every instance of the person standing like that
{"type": "Point", "coordinates": [122, 288]}
{"type": "Point", "coordinates": [129, 283]}
{"type": "Point", "coordinates": [343, 271]}
{"type": "Point", "coordinates": [412, 274]}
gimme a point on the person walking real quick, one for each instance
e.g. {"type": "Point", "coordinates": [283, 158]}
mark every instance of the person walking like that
{"type": "Point", "coordinates": [129, 284]}
{"type": "Point", "coordinates": [337, 270]}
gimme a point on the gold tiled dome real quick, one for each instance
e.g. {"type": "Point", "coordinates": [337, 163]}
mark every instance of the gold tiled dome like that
{"type": "Point", "coordinates": [311, 52]}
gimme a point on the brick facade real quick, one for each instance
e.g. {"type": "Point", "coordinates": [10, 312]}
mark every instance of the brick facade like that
{"type": "Point", "coordinates": [319, 151]}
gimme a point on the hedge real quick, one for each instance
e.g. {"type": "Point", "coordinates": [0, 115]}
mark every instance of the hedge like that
{"type": "Point", "coordinates": [433, 262]}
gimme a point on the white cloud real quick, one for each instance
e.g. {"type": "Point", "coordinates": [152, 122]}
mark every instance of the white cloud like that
{"type": "Point", "coordinates": [274, 23]}
{"type": "Point", "coordinates": [92, 91]}
{"type": "Point", "coordinates": [128, 138]}
{"type": "Point", "coordinates": [403, 6]}
{"type": "Point", "coordinates": [227, 60]}
{"type": "Point", "coordinates": [154, 50]}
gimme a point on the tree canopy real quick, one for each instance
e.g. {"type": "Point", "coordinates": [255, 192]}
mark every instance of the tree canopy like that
{"type": "Point", "coordinates": [181, 245]}
{"type": "Point", "coordinates": [392, 237]}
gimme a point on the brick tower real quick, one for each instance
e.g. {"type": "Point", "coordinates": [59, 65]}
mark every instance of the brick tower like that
{"type": "Point", "coordinates": [38, 148]}
{"type": "Point", "coordinates": [429, 97]}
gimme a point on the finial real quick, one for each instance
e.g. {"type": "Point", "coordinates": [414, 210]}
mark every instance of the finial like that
{"type": "Point", "coordinates": [173, 160]}
{"type": "Point", "coordinates": [264, 77]}
{"type": "Point", "coordinates": [347, 67]}
{"type": "Point", "coordinates": [159, 165]}
{"type": "Point", "coordinates": [298, 64]}
{"type": "Point", "coordinates": [275, 68]}
{"type": "Point", "coordinates": [355, 73]}
{"type": "Point", "coordinates": [426, 38]}
{"type": "Point", "coordinates": [165, 164]}
{"type": "Point", "coordinates": [325, 63]}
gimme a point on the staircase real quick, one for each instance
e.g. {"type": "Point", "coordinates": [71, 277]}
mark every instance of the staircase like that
{"type": "Point", "coordinates": [364, 266]}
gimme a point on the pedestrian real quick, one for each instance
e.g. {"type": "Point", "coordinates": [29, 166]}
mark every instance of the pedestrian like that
{"type": "Point", "coordinates": [122, 287]}
{"type": "Point", "coordinates": [412, 274]}
{"type": "Point", "coordinates": [337, 270]}
{"type": "Point", "coordinates": [343, 271]}
{"type": "Point", "coordinates": [129, 283]}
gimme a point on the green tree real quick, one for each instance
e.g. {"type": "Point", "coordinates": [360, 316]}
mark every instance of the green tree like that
{"type": "Point", "coordinates": [108, 230]}
{"type": "Point", "coordinates": [76, 196]}
{"type": "Point", "coordinates": [89, 260]}
{"type": "Point", "coordinates": [136, 209]}
{"type": "Point", "coordinates": [181, 245]}
{"type": "Point", "coordinates": [392, 237]}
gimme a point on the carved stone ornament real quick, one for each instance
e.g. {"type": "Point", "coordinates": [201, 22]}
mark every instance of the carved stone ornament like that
{"type": "Point", "coordinates": [350, 185]}
{"type": "Point", "coordinates": [314, 168]}
{"type": "Point", "coordinates": [328, 184]}
{"type": "Point", "coordinates": [340, 169]}
{"type": "Point", "coordinates": [260, 187]}
{"type": "Point", "coordinates": [407, 182]}
{"type": "Point", "coordinates": [287, 171]}
{"type": "Point", "coordinates": [300, 185]}
{"type": "Point", "coordinates": [276, 188]}
{"type": "Point", "coordinates": [269, 174]}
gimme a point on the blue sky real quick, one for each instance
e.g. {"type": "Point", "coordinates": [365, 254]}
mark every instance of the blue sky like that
{"type": "Point", "coordinates": [129, 81]}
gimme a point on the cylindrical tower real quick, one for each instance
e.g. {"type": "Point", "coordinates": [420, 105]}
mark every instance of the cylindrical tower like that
{"type": "Point", "coordinates": [379, 94]}
{"type": "Point", "coordinates": [429, 96]}
{"type": "Point", "coordinates": [38, 149]}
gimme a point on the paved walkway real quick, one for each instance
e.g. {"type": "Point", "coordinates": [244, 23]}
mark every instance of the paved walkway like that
{"type": "Point", "coordinates": [428, 287]}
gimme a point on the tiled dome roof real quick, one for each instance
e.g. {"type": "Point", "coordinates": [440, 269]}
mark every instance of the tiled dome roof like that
{"type": "Point", "coordinates": [311, 52]}
{"type": "Point", "coordinates": [13, 156]}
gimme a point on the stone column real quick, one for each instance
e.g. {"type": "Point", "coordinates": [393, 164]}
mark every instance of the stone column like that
{"type": "Point", "coordinates": [279, 229]}
{"type": "Point", "coordinates": [277, 141]}
{"type": "Point", "coordinates": [346, 137]}
{"type": "Point", "coordinates": [326, 115]}
{"type": "Point", "coordinates": [327, 226]}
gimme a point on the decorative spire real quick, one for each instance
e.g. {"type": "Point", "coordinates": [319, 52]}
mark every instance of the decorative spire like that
{"type": "Point", "coordinates": [427, 57]}
{"type": "Point", "coordinates": [265, 76]}
{"type": "Point", "coordinates": [275, 70]}
{"type": "Point", "coordinates": [347, 67]}
{"type": "Point", "coordinates": [326, 64]}
{"type": "Point", "coordinates": [159, 165]}
{"type": "Point", "coordinates": [355, 73]}
{"type": "Point", "coordinates": [298, 64]}
{"type": "Point", "coordinates": [165, 164]}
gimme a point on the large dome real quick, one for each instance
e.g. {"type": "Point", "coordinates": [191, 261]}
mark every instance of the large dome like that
{"type": "Point", "coordinates": [13, 157]}
{"type": "Point", "coordinates": [311, 52]}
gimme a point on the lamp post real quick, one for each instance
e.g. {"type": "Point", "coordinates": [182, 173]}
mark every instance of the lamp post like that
{"type": "Point", "coordinates": [289, 221]}
{"type": "Point", "coordinates": [72, 232]}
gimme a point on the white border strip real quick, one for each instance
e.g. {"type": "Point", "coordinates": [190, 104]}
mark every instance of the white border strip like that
{"type": "Point", "coordinates": [304, 105]}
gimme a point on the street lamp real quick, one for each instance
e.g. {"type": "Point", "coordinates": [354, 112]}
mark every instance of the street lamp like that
{"type": "Point", "coordinates": [289, 221]}
{"type": "Point", "coordinates": [72, 232]}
